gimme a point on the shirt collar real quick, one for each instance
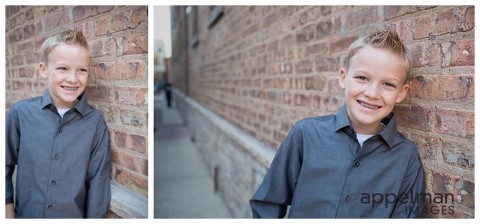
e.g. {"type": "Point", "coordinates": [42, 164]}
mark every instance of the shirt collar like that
{"type": "Point", "coordinates": [81, 105]}
{"type": "Point", "coordinates": [387, 133]}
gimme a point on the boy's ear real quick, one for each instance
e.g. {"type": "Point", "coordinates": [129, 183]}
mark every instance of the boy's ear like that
{"type": "Point", "coordinates": [43, 70]}
{"type": "Point", "coordinates": [341, 80]}
{"type": "Point", "coordinates": [403, 93]}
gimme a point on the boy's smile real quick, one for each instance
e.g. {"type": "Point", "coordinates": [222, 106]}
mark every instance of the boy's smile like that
{"type": "Point", "coordinates": [67, 73]}
{"type": "Point", "coordinates": [373, 84]}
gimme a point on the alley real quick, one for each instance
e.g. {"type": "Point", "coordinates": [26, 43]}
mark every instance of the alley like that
{"type": "Point", "coordinates": [183, 187]}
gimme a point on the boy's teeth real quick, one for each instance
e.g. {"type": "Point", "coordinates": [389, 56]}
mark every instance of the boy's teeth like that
{"type": "Point", "coordinates": [369, 106]}
{"type": "Point", "coordinates": [70, 88]}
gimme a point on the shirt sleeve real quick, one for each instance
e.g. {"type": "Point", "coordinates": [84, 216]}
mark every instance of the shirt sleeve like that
{"type": "Point", "coordinates": [276, 191]}
{"type": "Point", "coordinates": [413, 184]}
{"type": "Point", "coordinates": [12, 142]}
{"type": "Point", "coordinates": [98, 175]}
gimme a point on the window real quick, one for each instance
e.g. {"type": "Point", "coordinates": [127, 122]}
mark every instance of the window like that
{"type": "Point", "coordinates": [216, 13]}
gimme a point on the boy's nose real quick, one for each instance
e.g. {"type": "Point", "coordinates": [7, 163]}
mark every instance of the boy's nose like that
{"type": "Point", "coordinates": [372, 91]}
{"type": "Point", "coordinates": [71, 76]}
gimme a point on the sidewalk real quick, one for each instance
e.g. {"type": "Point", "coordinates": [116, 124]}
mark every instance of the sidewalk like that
{"type": "Point", "coordinates": [183, 187]}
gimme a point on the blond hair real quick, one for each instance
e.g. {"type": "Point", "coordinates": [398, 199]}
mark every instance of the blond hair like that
{"type": "Point", "coordinates": [381, 39]}
{"type": "Point", "coordinates": [70, 37]}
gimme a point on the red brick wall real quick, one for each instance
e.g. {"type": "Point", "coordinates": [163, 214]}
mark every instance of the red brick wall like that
{"type": "Point", "coordinates": [264, 68]}
{"type": "Point", "coordinates": [117, 84]}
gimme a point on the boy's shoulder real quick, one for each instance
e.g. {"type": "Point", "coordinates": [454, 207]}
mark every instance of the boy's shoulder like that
{"type": "Point", "coordinates": [318, 122]}
{"type": "Point", "coordinates": [27, 103]}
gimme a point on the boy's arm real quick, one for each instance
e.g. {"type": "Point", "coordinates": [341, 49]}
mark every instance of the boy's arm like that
{"type": "Point", "coordinates": [12, 142]}
{"type": "Point", "coordinates": [276, 191]}
{"type": "Point", "coordinates": [413, 182]}
{"type": "Point", "coordinates": [98, 175]}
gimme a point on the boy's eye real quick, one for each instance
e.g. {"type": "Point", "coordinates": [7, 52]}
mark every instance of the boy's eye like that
{"type": "Point", "coordinates": [62, 68]}
{"type": "Point", "coordinates": [390, 85]}
{"type": "Point", "coordinates": [83, 70]}
{"type": "Point", "coordinates": [363, 78]}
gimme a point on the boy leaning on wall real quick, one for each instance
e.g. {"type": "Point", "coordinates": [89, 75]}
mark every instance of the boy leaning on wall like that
{"type": "Point", "coordinates": [58, 143]}
{"type": "Point", "coordinates": [340, 166]}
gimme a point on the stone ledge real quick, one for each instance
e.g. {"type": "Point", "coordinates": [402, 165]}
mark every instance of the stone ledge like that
{"type": "Point", "coordinates": [257, 150]}
{"type": "Point", "coordinates": [127, 203]}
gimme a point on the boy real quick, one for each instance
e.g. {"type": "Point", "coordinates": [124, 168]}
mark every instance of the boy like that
{"type": "Point", "coordinates": [355, 163]}
{"type": "Point", "coordinates": [59, 142]}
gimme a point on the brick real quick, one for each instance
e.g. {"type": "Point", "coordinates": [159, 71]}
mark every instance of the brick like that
{"type": "Point", "coordinates": [333, 86]}
{"type": "Point", "coordinates": [120, 21]}
{"type": "Point", "coordinates": [341, 43]}
{"type": "Point", "coordinates": [135, 44]}
{"type": "Point", "coordinates": [131, 162]}
{"type": "Point", "coordinates": [463, 53]}
{"type": "Point", "coordinates": [129, 95]}
{"type": "Point", "coordinates": [138, 143]}
{"type": "Point", "coordinates": [302, 100]}
{"type": "Point", "coordinates": [315, 83]}
{"type": "Point", "coordinates": [412, 116]}
{"type": "Point", "coordinates": [82, 12]}
{"type": "Point", "coordinates": [427, 146]}
{"type": "Point", "coordinates": [99, 93]}
{"type": "Point", "coordinates": [139, 16]}
{"type": "Point", "coordinates": [130, 69]}
{"type": "Point", "coordinates": [25, 46]}
{"type": "Point", "coordinates": [332, 103]}
{"type": "Point", "coordinates": [102, 47]}
{"type": "Point", "coordinates": [444, 183]}
{"type": "Point", "coordinates": [443, 22]}
{"type": "Point", "coordinates": [16, 35]}
{"type": "Point", "coordinates": [463, 18]}
{"type": "Point", "coordinates": [442, 87]}
{"type": "Point", "coordinates": [133, 118]}
{"type": "Point", "coordinates": [11, 10]}
{"type": "Point", "coordinates": [306, 34]}
{"type": "Point", "coordinates": [17, 60]}
{"type": "Point", "coordinates": [403, 29]}
{"type": "Point", "coordinates": [397, 11]}
{"type": "Point", "coordinates": [131, 180]}
{"type": "Point", "coordinates": [455, 123]}
{"type": "Point", "coordinates": [328, 27]}
{"type": "Point", "coordinates": [87, 29]}
{"type": "Point", "coordinates": [318, 48]}
{"type": "Point", "coordinates": [56, 21]}
{"type": "Point", "coordinates": [470, 18]}
{"type": "Point", "coordinates": [361, 17]}
{"type": "Point", "coordinates": [103, 26]}
{"type": "Point", "coordinates": [422, 26]}
{"type": "Point", "coordinates": [458, 154]}
{"type": "Point", "coordinates": [104, 70]}
{"type": "Point", "coordinates": [120, 138]}
{"type": "Point", "coordinates": [426, 54]}
{"type": "Point", "coordinates": [31, 29]}
{"type": "Point", "coordinates": [326, 64]}
{"type": "Point", "coordinates": [304, 66]}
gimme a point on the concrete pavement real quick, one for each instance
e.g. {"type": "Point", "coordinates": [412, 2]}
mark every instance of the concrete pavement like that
{"type": "Point", "coordinates": [183, 187]}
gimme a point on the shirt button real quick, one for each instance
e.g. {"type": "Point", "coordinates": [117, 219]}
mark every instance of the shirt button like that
{"type": "Point", "coordinates": [348, 198]}
{"type": "Point", "coordinates": [54, 182]}
{"type": "Point", "coordinates": [357, 163]}
{"type": "Point", "coordinates": [57, 156]}
{"type": "Point", "coordinates": [59, 130]}
{"type": "Point", "coordinates": [50, 206]}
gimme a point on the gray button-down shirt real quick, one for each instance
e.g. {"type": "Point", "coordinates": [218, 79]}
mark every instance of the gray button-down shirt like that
{"type": "Point", "coordinates": [318, 172]}
{"type": "Point", "coordinates": [63, 165]}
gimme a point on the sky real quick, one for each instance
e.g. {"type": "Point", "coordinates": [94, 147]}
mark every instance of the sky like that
{"type": "Point", "coordinates": [162, 27]}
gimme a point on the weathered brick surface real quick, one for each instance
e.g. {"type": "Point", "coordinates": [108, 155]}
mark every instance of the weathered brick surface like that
{"type": "Point", "coordinates": [117, 85]}
{"type": "Point", "coordinates": [263, 68]}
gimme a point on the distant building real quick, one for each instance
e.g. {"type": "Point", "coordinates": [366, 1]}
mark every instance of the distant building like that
{"type": "Point", "coordinates": [159, 67]}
